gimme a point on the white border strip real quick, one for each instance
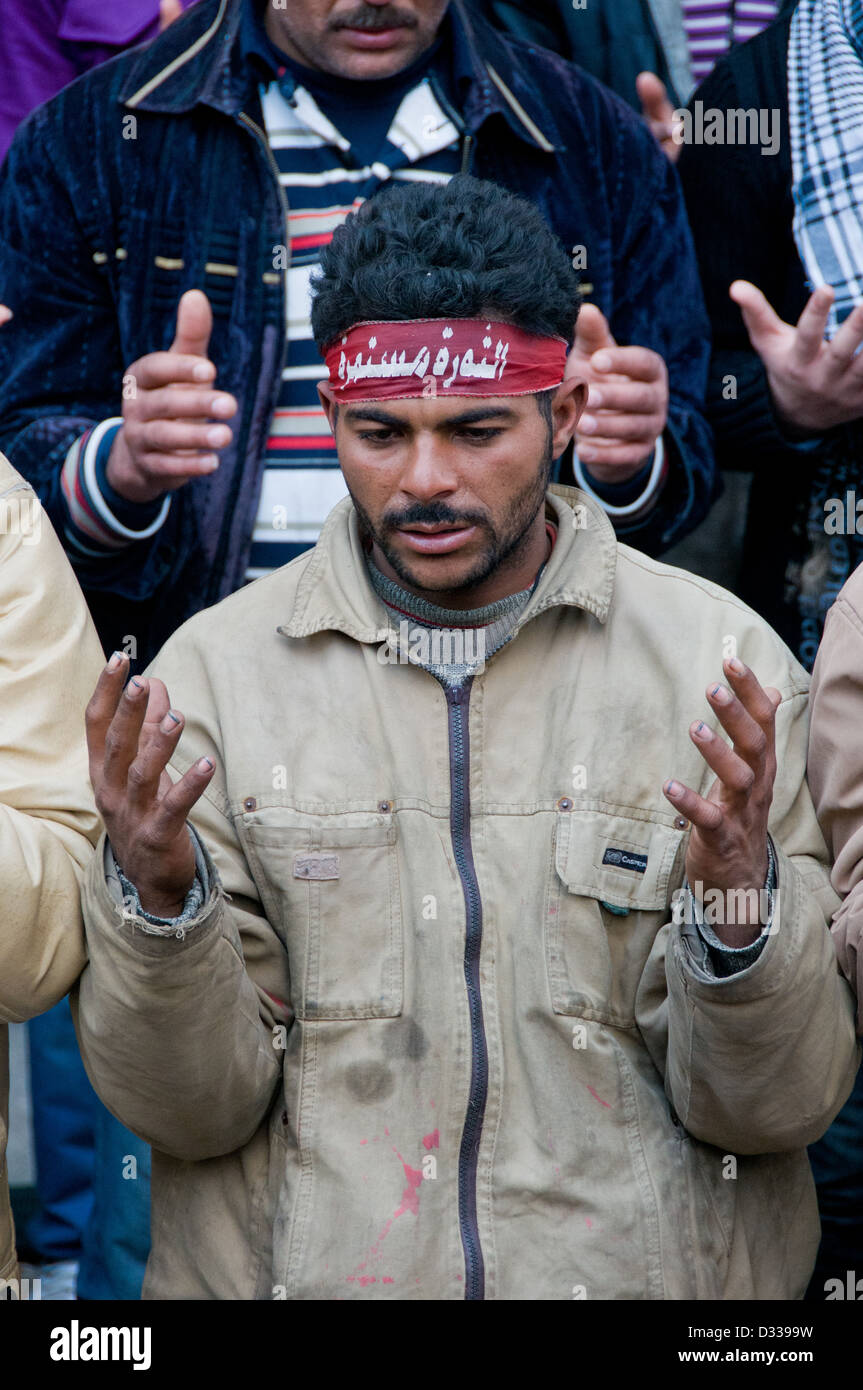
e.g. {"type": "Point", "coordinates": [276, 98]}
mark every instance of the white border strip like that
{"type": "Point", "coordinates": [650, 487]}
{"type": "Point", "coordinates": [519, 110]}
{"type": "Point", "coordinates": [88, 464]}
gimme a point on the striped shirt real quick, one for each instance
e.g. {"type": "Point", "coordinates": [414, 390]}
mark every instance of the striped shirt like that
{"type": "Point", "coordinates": [712, 26]}
{"type": "Point", "coordinates": [323, 180]}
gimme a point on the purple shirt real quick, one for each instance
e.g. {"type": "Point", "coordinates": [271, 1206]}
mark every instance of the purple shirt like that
{"type": "Point", "coordinates": [712, 26]}
{"type": "Point", "coordinates": [44, 44]}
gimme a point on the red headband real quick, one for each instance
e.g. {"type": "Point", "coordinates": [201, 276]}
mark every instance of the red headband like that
{"type": "Point", "coordinates": [448, 357]}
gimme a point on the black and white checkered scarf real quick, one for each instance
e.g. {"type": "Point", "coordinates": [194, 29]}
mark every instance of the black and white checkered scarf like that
{"type": "Point", "coordinates": [825, 111]}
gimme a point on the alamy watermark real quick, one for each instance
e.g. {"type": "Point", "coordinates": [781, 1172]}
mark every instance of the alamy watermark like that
{"type": "Point", "coordinates": [21, 515]}
{"type": "Point", "coordinates": [732, 126]}
{"type": "Point", "coordinates": [20, 1290]}
{"type": "Point", "coordinates": [416, 645]}
{"type": "Point", "coordinates": [843, 516]}
{"type": "Point", "coordinates": [731, 907]}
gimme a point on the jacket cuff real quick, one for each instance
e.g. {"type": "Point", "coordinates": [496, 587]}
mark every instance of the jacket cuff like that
{"type": "Point", "coordinates": [106, 908]}
{"type": "Point", "coordinates": [783, 943]}
{"type": "Point", "coordinates": [195, 898]}
{"type": "Point", "coordinates": [100, 522]}
{"type": "Point", "coordinates": [632, 499]}
{"type": "Point", "coordinates": [714, 956]}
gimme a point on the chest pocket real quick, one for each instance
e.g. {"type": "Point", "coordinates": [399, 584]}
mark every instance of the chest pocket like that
{"type": "Point", "coordinates": [610, 885]}
{"type": "Point", "coordinates": [330, 886]}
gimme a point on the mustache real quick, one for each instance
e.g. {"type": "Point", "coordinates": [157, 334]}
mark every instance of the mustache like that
{"type": "Point", "coordinates": [373, 18]}
{"type": "Point", "coordinates": [431, 514]}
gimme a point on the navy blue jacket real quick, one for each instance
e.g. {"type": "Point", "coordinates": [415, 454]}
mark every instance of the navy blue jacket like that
{"type": "Point", "coordinates": [152, 175]}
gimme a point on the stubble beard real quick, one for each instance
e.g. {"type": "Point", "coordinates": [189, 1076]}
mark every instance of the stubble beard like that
{"type": "Point", "coordinates": [503, 550]}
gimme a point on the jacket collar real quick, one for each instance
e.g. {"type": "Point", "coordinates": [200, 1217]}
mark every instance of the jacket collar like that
{"type": "Point", "coordinates": [199, 59]}
{"type": "Point", "coordinates": [336, 594]}
{"type": "Point", "coordinates": [503, 84]}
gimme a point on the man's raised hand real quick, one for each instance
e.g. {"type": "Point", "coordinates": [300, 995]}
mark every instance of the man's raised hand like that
{"type": "Point", "coordinates": [627, 407]}
{"type": "Point", "coordinates": [171, 421]}
{"type": "Point", "coordinates": [658, 113]}
{"type": "Point", "coordinates": [131, 737]}
{"type": "Point", "coordinates": [815, 384]}
{"type": "Point", "coordinates": [727, 848]}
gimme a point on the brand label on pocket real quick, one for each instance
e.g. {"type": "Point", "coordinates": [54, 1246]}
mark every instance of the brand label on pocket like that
{"type": "Point", "coordinates": [316, 866]}
{"type": "Point", "coordinates": [624, 859]}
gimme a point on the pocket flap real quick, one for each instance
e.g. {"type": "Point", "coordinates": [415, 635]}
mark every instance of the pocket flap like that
{"type": "Point", "coordinates": [623, 860]}
{"type": "Point", "coordinates": [330, 886]}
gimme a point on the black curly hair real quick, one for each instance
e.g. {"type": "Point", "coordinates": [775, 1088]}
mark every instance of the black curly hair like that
{"type": "Point", "coordinates": [465, 249]}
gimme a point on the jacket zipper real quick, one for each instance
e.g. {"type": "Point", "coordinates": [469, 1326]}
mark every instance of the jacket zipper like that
{"type": "Point", "coordinates": [467, 144]}
{"type": "Point", "coordinates": [458, 707]}
{"type": "Point", "coordinates": [224, 539]}
{"type": "Point", "coordinates": [458, 702]}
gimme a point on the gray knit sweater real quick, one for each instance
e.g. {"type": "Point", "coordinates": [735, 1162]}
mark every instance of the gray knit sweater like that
{"type": "Point", "coordinates": [451, 643]}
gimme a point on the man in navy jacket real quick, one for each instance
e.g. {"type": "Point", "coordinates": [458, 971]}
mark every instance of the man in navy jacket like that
{"type": "Point", "coordinates": [155, 174]}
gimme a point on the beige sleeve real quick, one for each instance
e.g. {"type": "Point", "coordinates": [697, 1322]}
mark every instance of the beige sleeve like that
{"type": "Point", "coordinates": [763, 1060]}
{"type": "Point", "coordinates": [178, 1034]}
{"type": "Point", "coordinates": [50, 659]}
{"type": "Point", "coordinates": [836, 770]}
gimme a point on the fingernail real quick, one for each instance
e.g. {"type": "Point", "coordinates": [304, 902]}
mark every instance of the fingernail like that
{"type": "Point", "coordinates": [219, 435]}
{"type": "Point", "coordinates": [594, 398]}
{"type": "Point", "coordinates": [117, 659]}
{"type": "Point", "coordinates": [221, 405]}
{"type": "Point", "coordinates": [586, 455]}
{"type": "Point", "coordinates": [720, 694]}
{"type": "Point", "coordinates": [202, 371]}
{"type": "Point", "coordinates": [170, 722]}
{"type": "Point", "coordinates": [587, 424]}
{"type": "Point", "coordinates": [701, 731]}
{"type": "Point", "coordinates": [736, 665]}
{"type": "Point", "coordinates": [209, 463]}
{"type": "Point", "coordinates": [673, 788]}
{"type": "Point", "coordinates": [601, 362]}
{"type": "Point", "coordinates": [134, 689]}
{"type": "Point", "coordinates": [204, 764]}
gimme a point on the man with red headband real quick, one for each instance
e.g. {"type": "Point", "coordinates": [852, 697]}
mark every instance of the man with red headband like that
{"type": "Point", "coordinates": [433, 948]}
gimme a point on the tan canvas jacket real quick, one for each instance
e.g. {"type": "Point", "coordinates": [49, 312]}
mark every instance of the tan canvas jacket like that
{"type": "Point", "coordinates": [428, 1039]}
{"type": "Point", "coordinates": [50, 659]}
{"type": "Point", "coordinates": [836, 768]}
